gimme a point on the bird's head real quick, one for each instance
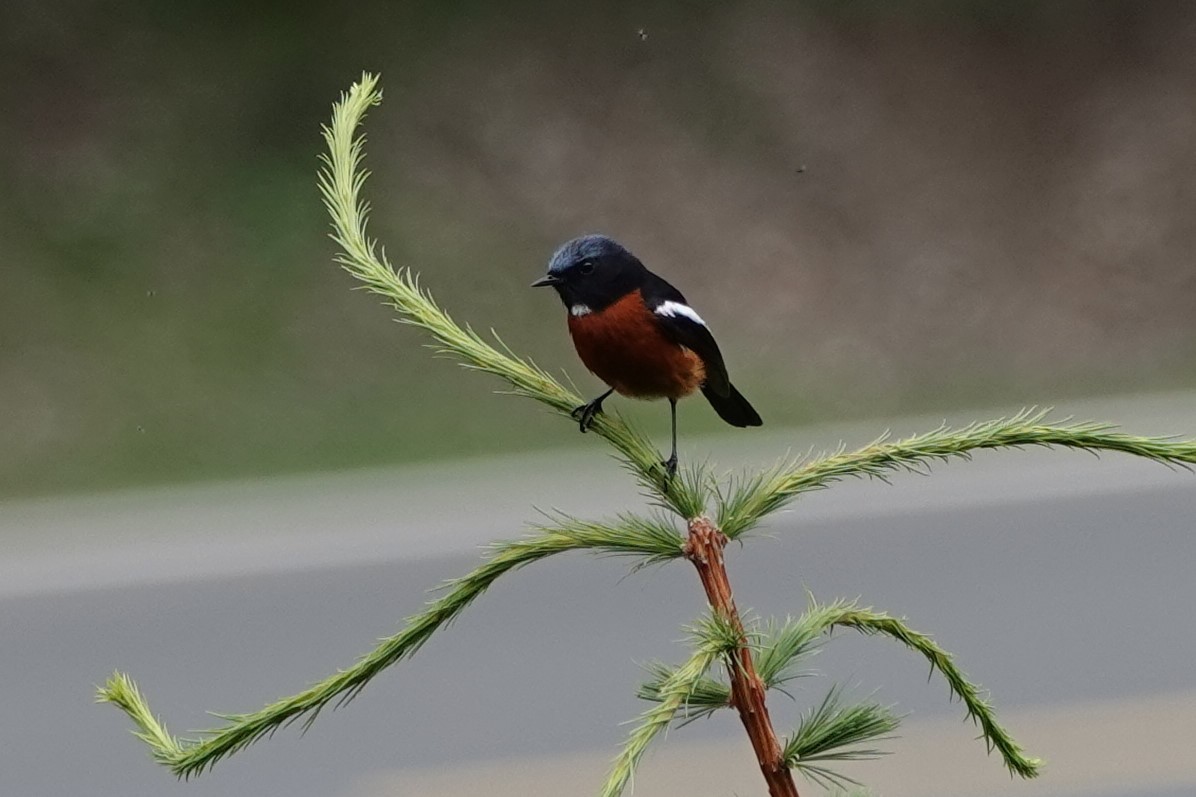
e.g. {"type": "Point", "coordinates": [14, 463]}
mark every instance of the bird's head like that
{"type": "Point", "coordinates": [591, 272]}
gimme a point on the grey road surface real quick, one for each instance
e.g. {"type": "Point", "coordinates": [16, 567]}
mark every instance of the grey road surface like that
{"type": "Point", "coordinates": [1064, 583]}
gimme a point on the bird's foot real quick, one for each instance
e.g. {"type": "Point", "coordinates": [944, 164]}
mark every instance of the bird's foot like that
{"type": "Point", "coordinates": [584, 415]}
{"type": "Point", "coordinates": [670, 466]}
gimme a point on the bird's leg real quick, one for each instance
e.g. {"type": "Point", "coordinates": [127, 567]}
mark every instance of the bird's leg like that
{"type": "Point", "coordinates": [584, 415]}
{"type": "Point", "coordinates": [670, 464]}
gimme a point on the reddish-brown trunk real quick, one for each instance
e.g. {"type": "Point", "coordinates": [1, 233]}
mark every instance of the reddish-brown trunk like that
{"type": "Point", "coordinates": [705, 549]}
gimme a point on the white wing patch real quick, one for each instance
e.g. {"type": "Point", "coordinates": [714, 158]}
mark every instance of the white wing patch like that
{"type": "Point", "coordinates": [579, 310]}
{"type": "Point", "coordinates": [673, 309]}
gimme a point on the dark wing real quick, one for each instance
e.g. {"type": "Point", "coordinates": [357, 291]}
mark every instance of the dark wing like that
{"type": "Point", "coordinates": [682, 325]}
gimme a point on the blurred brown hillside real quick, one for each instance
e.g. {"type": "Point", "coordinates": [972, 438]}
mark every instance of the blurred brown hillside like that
{"type": "Point", "coordinates": [879, 207]}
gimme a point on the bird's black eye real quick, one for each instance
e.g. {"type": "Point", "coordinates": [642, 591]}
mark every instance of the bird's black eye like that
{"type": "Point", "coordinates": [586, 267]}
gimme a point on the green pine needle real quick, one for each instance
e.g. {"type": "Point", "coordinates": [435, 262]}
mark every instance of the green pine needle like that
{"type": "Point", "coordinates": [979, 710]}
{"type": "Point", "coordinates": [713, 637]}
{"type": "Point", "coordinates": [706, 696]}
{"type": "Point", "coordinates": [122, 692]}
{"type": "Point", "coordinates": [745, 503]}
{"type": "Point", "coordinates": [832, 732]}
{"type": "Point", "coordinates": [187, 757]}
{"type": "Point", "coordinates": [777, 653]}
{"type": "Point", "coordinates": [651, 540]}
{"type": "Point", "coordinates": [781, 650]}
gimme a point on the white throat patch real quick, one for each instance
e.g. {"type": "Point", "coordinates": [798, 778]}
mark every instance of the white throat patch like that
{"type": "Point", "coordinates": [673, 309]}
{"type": "Point", "coordinates": [579, 310]}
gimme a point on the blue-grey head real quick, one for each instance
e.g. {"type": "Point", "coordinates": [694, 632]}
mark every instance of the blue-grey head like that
{"type": "Point", "coordinates": [592, 272]}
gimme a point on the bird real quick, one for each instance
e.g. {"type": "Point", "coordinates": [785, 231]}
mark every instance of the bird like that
{"type": "Point", "coordinates": [638, 334]}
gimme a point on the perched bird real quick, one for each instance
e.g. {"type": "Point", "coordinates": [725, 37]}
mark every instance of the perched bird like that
{"type": "Point", "coordinates": [637, 334]}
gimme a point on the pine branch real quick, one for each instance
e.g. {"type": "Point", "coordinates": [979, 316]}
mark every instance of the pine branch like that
{"type": "Point", "coordinates": [651, 540]}
{"type": "Point", "coordinates": [707, 696]}
{"type": "Point", "coordinates": [186, 757]}
{"type": "Point", "coordinates": [746, 503]}
{"type": "Point", "coordinates": [123, 693]}
{"type": "Point", "coordinates": [341, 181]}
{"type": "Point", "coordinates": [777, 653]}
{"type": "Point", "coordinates": [782, 649]}
{"type": "Point", "coordinates": [704, 548]}
{"type": "Point", "coordinates": [979, 710]}
{"type": "Point", "coordinates": [831, 732]}
{"type": "Point", "coordinates": [714, 637]}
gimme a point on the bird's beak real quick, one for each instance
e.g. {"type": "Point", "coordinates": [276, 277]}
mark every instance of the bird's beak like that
{"type": "Point", "coordinates": [547, 279]}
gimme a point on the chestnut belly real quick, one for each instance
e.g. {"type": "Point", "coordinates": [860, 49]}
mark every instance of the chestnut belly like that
{"type": "Point", "coordinates": [623, 347]}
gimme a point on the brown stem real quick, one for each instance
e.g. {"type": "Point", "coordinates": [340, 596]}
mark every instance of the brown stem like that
{"type": "Point", "coordinates": [705, 549]}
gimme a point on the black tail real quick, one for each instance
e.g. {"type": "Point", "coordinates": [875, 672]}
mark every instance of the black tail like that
{"type": "Point", "coordinates": [733, 407]}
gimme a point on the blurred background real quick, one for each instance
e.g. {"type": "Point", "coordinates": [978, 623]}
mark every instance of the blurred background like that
{"type": "Point", "coordinates": [880, 207]}
{"type": "Point", "coordinates": [890, 213]}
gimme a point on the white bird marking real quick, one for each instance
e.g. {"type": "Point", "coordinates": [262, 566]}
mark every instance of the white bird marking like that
{"type": "Point", "coordinates": [673, 309]}
{"type": "Point", "coordinates": [579, 310]}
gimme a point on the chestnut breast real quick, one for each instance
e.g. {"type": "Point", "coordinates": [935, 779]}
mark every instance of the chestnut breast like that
{"type": "Point", "coordinates": [625, 348]}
